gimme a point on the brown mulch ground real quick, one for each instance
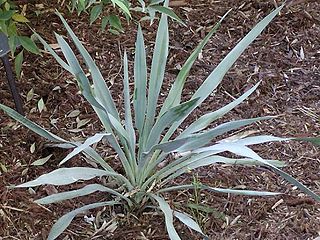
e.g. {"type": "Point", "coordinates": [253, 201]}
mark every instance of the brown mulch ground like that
{"type": "Point", "coordinates": [286, 57]}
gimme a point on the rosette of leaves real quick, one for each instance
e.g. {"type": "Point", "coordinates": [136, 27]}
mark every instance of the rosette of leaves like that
{"type": "Point", "coordinates": [101, 9]}
{"type": "Point", "coordinates": [144, 138]}
{"type": "Point", "coordinates": [10, 18]}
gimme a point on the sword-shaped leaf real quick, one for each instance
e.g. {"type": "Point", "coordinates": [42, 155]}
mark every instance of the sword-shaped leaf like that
{"type": "Point", "coordinates": [168, 215]}
{"type": "Point", "coordinates": [87, 143]}
{"type": "Point", "coordinates": [89, 189]}
{"type": "Point", "coordinates": [52, 52]}
{"type": "Point", "coordinates": [100, 88]}
{"type": "Point", "coordinates": [140, 81]}
{"type": "Point", "coordinates": [257, 140]}
{"type": "Point", "coordinates": [66, 219]}
{"type": "Point", "coordinates": [158, 67]}
{"type": "Point", "coordinates": [85, 87]}
{"type": "Point", "coordinates": [219, 190]}
{"type": "Point", "coordinates": [64, 176]}
{"type": "Point", "coordinates": [168, 11]}
{"type": "Point", "coordinates": [187, 220]}
{"type": "Point", "coordinates": [31, 125]}
{"type": "Point", "coordinates": [174, 96]}
{"type": "Point", "coordinates": [201, 139]}
{"type": "Point", "coordinates": [169, 117]}
{"type": "Point", "coordinates": [242, 150]}
{"type": "Point", "coordinates": [127, 108]}
{"type": "Point", "coordinates": [219, 72]}
{"type": "Point", "coordinates": [205, 120]}
{"type": "Point", "coordinates": [194, 163]}
{"type": "Point", "coordinates": [313, 140]}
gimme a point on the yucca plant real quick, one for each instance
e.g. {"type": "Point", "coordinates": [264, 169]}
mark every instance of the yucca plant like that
{"type": "Point", "coordinates": [146, 139]}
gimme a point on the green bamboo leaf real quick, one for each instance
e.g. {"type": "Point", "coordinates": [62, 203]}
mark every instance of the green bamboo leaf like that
{"type": "Point", "coordinates": [115, 22]}
{"type": "Point", "coordinates": [28, 44]}
{"type": "Point", "coordinates": [18, 64]}
{"type": "Point", "coordinates": [12, 29]}
{"type": "Point", "coordinates": [6, 15]}
{"type": "Point", "coordinates": [95, 13]}
{"type": "Point", "coordinates": [168, 11]}
{"type": "Point", "coordinates": [104, 23]}
{"type": "Point", "coordinates": [12, 41]}
{"type": "Point", "coordinates": [66, 219]}
{"type": "Point", "coordinates": [122, 6]}
{"type": "Point", "coordinates": [19, 18]}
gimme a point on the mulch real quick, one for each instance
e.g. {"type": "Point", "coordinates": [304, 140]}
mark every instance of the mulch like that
{"type": "Point", "coordinates": [285, 58]}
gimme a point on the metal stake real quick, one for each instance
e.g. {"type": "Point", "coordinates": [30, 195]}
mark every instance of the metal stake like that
{"type": "Point", "coordinates": [4, 50]}
{"type": "Point", "coordinates": [12, 84]}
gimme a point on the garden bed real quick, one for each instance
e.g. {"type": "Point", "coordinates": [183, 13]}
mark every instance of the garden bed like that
{"type": "Point", "coordinates": [286, 58]}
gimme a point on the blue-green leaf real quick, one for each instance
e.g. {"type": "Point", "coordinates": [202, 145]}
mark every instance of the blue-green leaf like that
{"type": "Point", "coordinates": [66, 219]}
{"type": "Point", "coordinates": [168, 214]}
{"type": "Point", "coordinates": [89, 189]}
{"type": "Point", "coordinates": [65, 176]}
{"type": "Point", "coordinates": [140, 81]}
{"type": "Point", "coordinates": [214, 79]}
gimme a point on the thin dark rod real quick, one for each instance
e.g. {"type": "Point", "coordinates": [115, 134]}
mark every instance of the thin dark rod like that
{"type": "Point", "coordinates": [12, 84]}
